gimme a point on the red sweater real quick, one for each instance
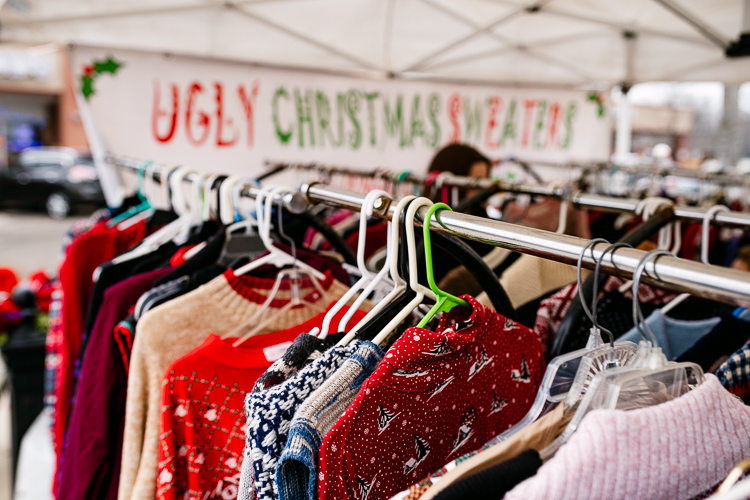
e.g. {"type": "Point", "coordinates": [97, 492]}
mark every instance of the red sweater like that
{"type": "Point", "coordinates": [203, 425]}
{"type": "Point", "coordinates": [434, 397]}
{"type": "Point", "coordinates": [84, 255]}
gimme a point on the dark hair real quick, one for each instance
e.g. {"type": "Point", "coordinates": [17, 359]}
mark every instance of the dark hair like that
{"type": "Point", "coordinates": [457, 159]}
{"type": "Point", "coordinates": [744, 254]}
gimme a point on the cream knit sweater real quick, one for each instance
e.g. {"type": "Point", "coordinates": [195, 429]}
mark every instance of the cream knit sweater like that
{"type": "Point", "coordinates": [530, 277]}
{"type": "Point", "coordinates": [169, 332]}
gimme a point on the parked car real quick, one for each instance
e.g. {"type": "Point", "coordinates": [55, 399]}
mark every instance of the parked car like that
{"type": "Point", "coordinates": [54, 178]}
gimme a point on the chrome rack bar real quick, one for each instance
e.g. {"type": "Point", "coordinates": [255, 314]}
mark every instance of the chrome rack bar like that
{"type": "Point", "coordinates": [293, 202]}
{"type": "Point", "coordinates": [587, 201]}
{"type": "Point", "coordinates": [681, 212]}
{"type": "Point", "coordinates": [379, 173]}
{"type": "Point", "coordinates": [710, 177]}
{"type": "Point", "coordinates": [679, 275]}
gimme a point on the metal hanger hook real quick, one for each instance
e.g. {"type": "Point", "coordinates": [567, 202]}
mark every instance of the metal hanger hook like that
{"type": "Point", "coordinates": [580, 281]}
{"type": "Point", "coordinates": [595, 299]}
{"type": "Point", "coordinates": [638, 318]}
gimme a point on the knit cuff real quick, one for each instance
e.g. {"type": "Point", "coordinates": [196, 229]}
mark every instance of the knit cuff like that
{"type": "Point", "coordinates": [296, 475]}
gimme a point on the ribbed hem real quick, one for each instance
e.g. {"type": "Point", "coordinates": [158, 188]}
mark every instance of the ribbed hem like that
{"type": "Point", "coordinates": [295, 475]}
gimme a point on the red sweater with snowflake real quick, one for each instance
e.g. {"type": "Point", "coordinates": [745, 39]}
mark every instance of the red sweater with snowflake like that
{"type": "Point", "coordinates": [434, 397]}
{"type": "Point", "coordinates": [203, 425]}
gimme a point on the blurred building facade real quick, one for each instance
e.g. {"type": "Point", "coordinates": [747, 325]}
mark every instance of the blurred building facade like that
{"type": "Point", "coordinates": [37, 100]}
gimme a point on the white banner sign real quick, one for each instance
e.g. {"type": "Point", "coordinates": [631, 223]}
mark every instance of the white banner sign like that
{"type": "Point", "coordinates": [231, 117]}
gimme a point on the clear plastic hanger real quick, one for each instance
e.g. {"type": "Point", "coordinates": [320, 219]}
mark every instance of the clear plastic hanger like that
{"type": "Point", "coordinates": [392, 261]}
{"type": "Point", "coordinates": [367, 277]}
{"type": "Point", "coordinates": [647, 379]}
{"type": "Point", "coordinates": [296, 300]}
{"type": "Point", "coordinates": [421, 290]}
{"type": "Point", "coordinates": [705, 226]}
{"type": "Point", "coordinates": [654, 379]}
{"type": "Point", "coordinates": [276, 256]}
{"type": "Point", "coordinates": [562, 371]}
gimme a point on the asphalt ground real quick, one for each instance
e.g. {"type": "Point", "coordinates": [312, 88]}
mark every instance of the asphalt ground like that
{"type": "Point", "coordinates": [31, 240]}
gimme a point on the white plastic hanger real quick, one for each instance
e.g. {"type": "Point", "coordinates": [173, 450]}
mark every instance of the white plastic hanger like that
{"type": "Point", "coordinates": [392, 263]}
{"type": "Point", "coordinates": [378, 279]}
{"type": "Point", "coordinates": [227, 207]}
{"type": "Point", "coordinates": [177, 230]}
{"type": "Point", "coordinates": [422, 291]}
{"type": "Point", "coordinates": [648, 207]}
{"type": "Point", "coordinates": [710, 214]}
{"type": "Point", "coordinates": [367, 276]}
{"type": "Point", "coordinates": [195, 206]}
{"type": "Point", "coordinates": [276, 256]}
{"type": "Point", "coordinates": [316, 301]}
{"type": "Point", "coordinates": [166, 201]}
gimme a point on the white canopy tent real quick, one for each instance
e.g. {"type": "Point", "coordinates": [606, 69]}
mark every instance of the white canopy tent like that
{"type": "Point", "coordinates": [549, 43]}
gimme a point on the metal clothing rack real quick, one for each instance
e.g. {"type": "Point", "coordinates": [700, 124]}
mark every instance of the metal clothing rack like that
{"type": "Point", "coordinates": [679, 275]}
{"type": "Point", "coordinates": [293, 202]}
{"type": "Point", "coordinates": [722, 179]}
{"type": "Point", "coordinates": [379, 173]}
{"type": "Point", "coordinates": [593, 201]}
{"type": "Point", "coordinates": [579, 200]}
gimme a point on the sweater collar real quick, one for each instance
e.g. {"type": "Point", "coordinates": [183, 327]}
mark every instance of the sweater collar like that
{"type": "Point", "coordinates": [248, 286]}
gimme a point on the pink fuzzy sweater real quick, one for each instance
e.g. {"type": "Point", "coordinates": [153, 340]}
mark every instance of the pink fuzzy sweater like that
{"type": "Point", "coordinates": [676, 450]}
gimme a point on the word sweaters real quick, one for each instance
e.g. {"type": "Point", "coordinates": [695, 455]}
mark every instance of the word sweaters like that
{"type": "Point", "coordinates": [434, 397]}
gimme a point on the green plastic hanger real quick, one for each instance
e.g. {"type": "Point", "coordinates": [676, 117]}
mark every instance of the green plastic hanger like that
{"type": "Point", "coordinates": [142, 206]}
{"type": "Point", "coordinates": [446, 301]}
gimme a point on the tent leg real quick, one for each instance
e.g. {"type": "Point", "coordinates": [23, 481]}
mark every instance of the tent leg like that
{"type": "Point", "coordinates": [109, 177]}
{"type": "Point", "coordinates": [730, 131]}
{"type": "Point", "coordinates": [623, 130]}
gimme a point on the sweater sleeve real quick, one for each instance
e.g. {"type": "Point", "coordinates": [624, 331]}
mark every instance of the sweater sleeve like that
{"type": "Point", "coordinates": [135, 413]}
{"type": "Point", "coordinates": [144, 487]}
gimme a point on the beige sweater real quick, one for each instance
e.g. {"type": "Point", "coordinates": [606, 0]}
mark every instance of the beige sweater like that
{"type": "Point", "coordinates": [531, 277]}
{"type": "Point", "coordinates": [169, 332]}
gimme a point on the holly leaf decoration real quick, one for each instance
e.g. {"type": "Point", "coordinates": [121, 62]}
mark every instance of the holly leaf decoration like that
{"type": "Point", "coordinates": [108, 65]}
{"type": "Point", "coordinates": [87, 86]}
{"type": "Point", "coordinates": [597, 98]}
